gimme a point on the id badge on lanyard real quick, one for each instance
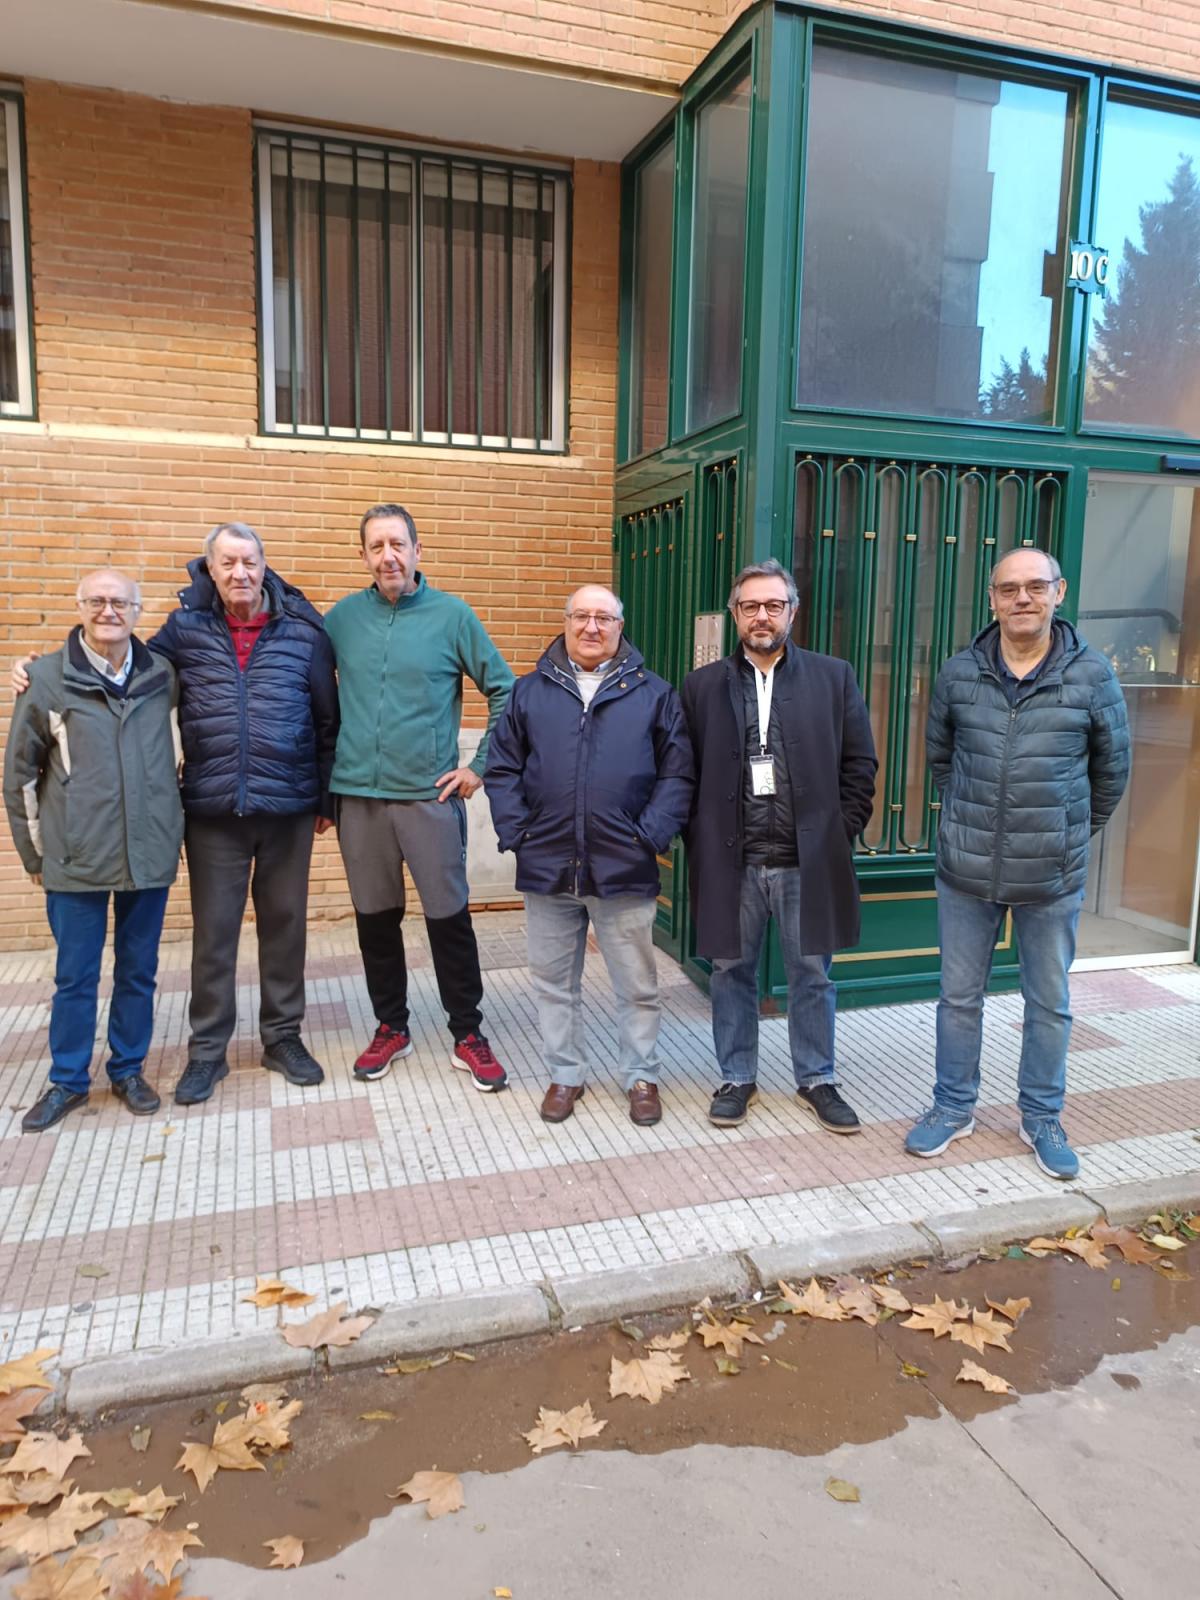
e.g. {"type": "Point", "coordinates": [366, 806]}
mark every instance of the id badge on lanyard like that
{"type": "Point", "coordinates": [762, 766]}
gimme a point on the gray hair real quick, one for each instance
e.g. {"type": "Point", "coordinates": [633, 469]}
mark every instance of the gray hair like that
{"type": "Point", "coordinates": [764, 569]}
{"type": "Point", "coordinates": [113, 572]}
{"type": "Point", "coordinates": [239, 530]}
{"type": "Point", "coordinates": [1023, 550]}
{"type": "Point", "coordinates": [618, 607]}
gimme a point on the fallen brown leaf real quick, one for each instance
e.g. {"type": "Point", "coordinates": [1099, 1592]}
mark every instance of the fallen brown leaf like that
{"type": "Point", "coordinates": [289, 1551]}
{"type": "Point", "coordinates": [230, 1448]}
{"type": "Point", "coordinates": [14, 1408]}
{"type": "Point", "coordinates": [134, 1545]}
{"type": "Point", "coordinates": [37, 1490]}
{"type": "Point", "coordinates": [153, 1506]}
{"type": "Point", "coordinates": [440, 1491]}
{"type": "Point", "coordinates": [937, 1318]}
{"type": "Point", "coordinates": [45, 1452]}
{"type": "Point", "coordinates": [814, 1302]}
{"type": "Point", "coordinates": [1132, 1246]}
{"type": "Point", "coordinates": [326, 1328]}
{"type": "Point", "coordinates": [1166, 1242]}
{"type": "Point", "coordinates": [26, 1372]}
{"type": "Point", "coordinates": [36, 1537]}
{"type": "Point", "coordinates": [416, 1364]}
{"type": "Point", "coordinates": [554, 1428]}
{"type": "Point", "coordinates": [139, 1587]}
{"type": "Point", "coordinates": [971, 1372]}
{"type": "Point", "coordinates": [1086, 1249]}
{"type": "Point", "coordinates": [647, 1378]}
{"type": "Point", "coordinates": [265, 1423]}
{"type": "Point", "coordinates": [730, 1336]}
{"type": "Point", "coordinates": [1014, 1310]}
{"type": "Point", "coordinates": [77, 1579]}
{"type": "Point", "coordinates": [891, 1298]}
{"type": "Point", "coordinates": [265, 1394]}
{"type": "Point", "coordinates": [670, 1341]}
{"type": "Point", "coordinates": [274, 1292]}
{"type": "Point", "coordinates": [856, 1300]}
{"type": "Point", "coordinates": [839, 1489]}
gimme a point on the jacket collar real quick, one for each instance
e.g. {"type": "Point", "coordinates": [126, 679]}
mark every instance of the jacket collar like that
{"type": "Point", "coordinates": [405, 600]}
{"type": "Point", "coordinates": [146, 669]}
{"type": "Point", "coordinates": [555, 663]}
{"type": "Point", "coordinates": [279, 597]}
{"type": "Point", "coordinates": [1065, 645]}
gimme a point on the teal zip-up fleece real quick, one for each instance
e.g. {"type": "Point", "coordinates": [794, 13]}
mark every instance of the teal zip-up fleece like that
{"type": "Point", "coordinates": [400, 682]}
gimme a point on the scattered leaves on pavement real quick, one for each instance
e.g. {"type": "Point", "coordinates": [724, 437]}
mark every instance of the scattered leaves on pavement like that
{"type": "Point", "coordinates": [554, 1428]}
{"type": "Point", "coordinates": [36, 1537]}
{"type": "Point", "coordinates": [26, 1372]}
{"type": "Point", "coordinates": [77, 1579]}
{"type": "Point", "coordinates": [288, 1551]}
{"type": "Point", "coordinates": [230, 1450]}
{"type": "Point", "coordinates": [890, 1298]}
{"type": "Point", "coordinates": [274, 1292]}
{"type": "Point", "coordinates": [330, 1327]}
{"type": "Point", "coordinates": [45, 1452]}
{"type": "Point", "coordinates": [839, 1489]}
{"type": "Point", "coordinates": [729, 1335]}
{"type": "Point", "coordinates": [971, 1372]}
{"type": "Point", "coordinates": [37, 1490]}
{"type": "Point", "coordinates": [440, 1491]}
{"type": "Point", "coordinates": [153, 1506]}
{"type": "Point", "coordinates": [1014, 1310]}
{"type": "Point", "coordinates": [1132, 1246]}
{"type": "Point", "coordinates": [856, 1300]}
{"type": "Point", "coordinates": [937, 1318]}
{"type": "Point", "coordinates": [814, 1302]}
{"type": "Point", "coordinates": [670, 1341]}
{"type": "Point", "coordinates": [981, 1331]}
{"type": "Point", "coordinates": [1086, 1249]}
{"type": "Point", "coordinates": [14, 1408]}
{"type": "Point", "coordinates": [647, 1378]}
{"type": "Point", "coordinates": [134, 1545]}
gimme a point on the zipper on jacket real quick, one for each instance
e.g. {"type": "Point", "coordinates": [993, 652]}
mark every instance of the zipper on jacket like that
{"type": "Point", "coordinates": [387, 639]}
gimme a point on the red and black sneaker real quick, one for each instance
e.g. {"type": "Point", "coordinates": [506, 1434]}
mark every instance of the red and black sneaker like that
{"type": "Point", "coordinates": [474, 1055]}
{"type": "Point", "coordinates": [376, 1059]}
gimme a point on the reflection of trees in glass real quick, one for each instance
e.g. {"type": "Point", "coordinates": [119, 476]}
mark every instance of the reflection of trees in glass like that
{"type": "Point", "coordinates": [1144, 341]}
{"type": "Point", "coordinates": [1016, 394]}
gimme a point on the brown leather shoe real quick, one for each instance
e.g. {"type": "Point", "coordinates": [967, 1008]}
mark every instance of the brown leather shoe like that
{"type": "Point", "coordinates": [645, 1108]}
{"type": "Point", "coordinates": [560, 1100]}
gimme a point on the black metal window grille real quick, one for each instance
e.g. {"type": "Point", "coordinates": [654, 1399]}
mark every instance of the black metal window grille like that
{"type": "Point", "coordinates": [16, 332]}
{"type": "Point", "coordinates": [411, 296]}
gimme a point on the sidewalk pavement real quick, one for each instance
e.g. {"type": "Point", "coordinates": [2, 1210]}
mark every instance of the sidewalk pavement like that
{"type": "Point", "coordinates": [123, 1235]}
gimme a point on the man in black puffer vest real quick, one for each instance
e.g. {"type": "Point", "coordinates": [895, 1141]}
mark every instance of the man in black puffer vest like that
{"type": "Point", "coordinates": [258, 715]}
{"type": "Point", "coordinates": [1028, 744]}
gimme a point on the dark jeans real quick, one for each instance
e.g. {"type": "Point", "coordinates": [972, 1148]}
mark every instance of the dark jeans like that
{"type": "Point", "coordinates": [79, 922]}
{"type": "Point", "coordinates": [268, 857]}
{"type": "Point", "coordinates": [455, 964]}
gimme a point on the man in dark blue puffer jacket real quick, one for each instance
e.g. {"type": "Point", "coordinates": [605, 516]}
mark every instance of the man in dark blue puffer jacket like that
{"type": "Point", "coordinates": [1028, 744]}
{"type": "Point", "coordinates": [258, 715]}
{"type": "Point", "coordinates": [589, 777]}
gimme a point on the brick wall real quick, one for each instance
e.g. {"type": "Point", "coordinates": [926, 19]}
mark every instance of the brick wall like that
{"type": "Point", "coordinates": [143, 258]}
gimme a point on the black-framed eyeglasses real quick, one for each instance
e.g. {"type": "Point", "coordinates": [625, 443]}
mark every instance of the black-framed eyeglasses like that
{"type": "Point", "coordinates": [751, 608]}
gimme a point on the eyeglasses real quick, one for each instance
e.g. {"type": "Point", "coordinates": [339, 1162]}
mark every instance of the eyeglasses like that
{"type": "Point", "coordinates": [97, 604]}
{"type": "Point", "coordinates": [751, 608]}
{"type": "Point", "coordinates": [602, 619]}
{"type": "Point", "coordinates": [1036, 589]}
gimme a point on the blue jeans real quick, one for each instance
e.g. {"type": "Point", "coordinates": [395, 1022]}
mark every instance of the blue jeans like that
{"type": "Point", "coordinates": [79, 923]}
{"type": "Point", "coordinates": [967, 932]}
{"type": "Point", "coordinates": [773, 892]}
{"type": "Point", "coordinates": [556, 927]}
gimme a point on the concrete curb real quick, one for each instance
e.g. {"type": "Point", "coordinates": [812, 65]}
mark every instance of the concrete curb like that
{"type": "Point", "coordinates": [482, 1316]}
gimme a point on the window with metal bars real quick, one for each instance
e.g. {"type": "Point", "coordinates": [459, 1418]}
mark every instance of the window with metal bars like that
{"type": "Point", "coordinates": [16, 327]}
{"type": "Point", "coordinates": [412, 296]}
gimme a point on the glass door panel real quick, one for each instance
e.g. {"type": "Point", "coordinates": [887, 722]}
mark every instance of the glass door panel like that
{"type": "Point", "coordinates": [1139, 603]}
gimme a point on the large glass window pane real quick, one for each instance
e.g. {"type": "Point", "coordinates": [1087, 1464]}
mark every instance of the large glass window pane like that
{"type": "Point", "coordinates": [8, 321]}
{"type": "Point", "coordinates": [722, 152]}
{"type": "Point", "coordinates": [650, 331]}
{"type": "Point", "coordinates": [934, 233]}
{"type": "Point", "coordinates": [1142, 371]}
{"type": "Point", "coordinates": [16, 367]}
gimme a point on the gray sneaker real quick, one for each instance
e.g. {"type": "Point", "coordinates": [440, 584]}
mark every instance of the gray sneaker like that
{"type": "Point", "coordinates": [936, 1131]}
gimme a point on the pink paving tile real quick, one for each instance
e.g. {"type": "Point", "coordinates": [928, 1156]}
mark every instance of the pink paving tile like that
{"type": "Point", "coordinates": [1095, 992]}
{"type": "Point", "coordinates": [1083, 1037]}
{"type": "Point", "coordinates": [22, 1045]}
{"type": "Point", "coordinates": [322, 1122]}
{"type": "Point", "coordinates": [23, 1160]}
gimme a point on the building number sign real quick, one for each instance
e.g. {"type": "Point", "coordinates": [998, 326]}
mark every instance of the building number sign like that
{"type": "Point", "coordinates": [1088, 268]}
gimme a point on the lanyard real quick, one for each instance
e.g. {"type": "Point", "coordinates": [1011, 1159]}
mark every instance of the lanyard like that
{"type": "Point", "coordinates": [764, 683]}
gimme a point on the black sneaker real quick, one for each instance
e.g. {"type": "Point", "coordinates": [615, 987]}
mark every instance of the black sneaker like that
{"type": "Point", "coordinates": [199, 1080]}
{"type": "Point", "coordinates": [731, 1103]}
{"type": "Point", "coordinates": [291, 1058]}
{"type": "Point", "coordinates": [830, 1110]}
{"type": "Point", "coordinates": [51, 1108]}
{"type": "Point", "coordinates": [137, 1095]}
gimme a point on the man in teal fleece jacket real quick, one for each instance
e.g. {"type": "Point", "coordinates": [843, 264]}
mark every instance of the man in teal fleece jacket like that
{"type": "Point", "coordinates": [403, 650]}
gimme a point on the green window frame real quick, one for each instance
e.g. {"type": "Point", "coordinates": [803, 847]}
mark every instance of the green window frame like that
{"type": "Point", "coordinates": [411, 295]}
{"type": "Point", "coordinates": [18, 372]}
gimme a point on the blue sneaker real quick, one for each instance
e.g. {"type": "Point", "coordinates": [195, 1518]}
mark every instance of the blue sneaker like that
{"type": "Point", "coordinates": [1050, 1148]}
{"type": "Point", "coordinates": [936, 1131]}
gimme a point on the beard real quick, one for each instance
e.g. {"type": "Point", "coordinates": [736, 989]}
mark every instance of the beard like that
{"type": "Point", "coordinates": [765, 640]}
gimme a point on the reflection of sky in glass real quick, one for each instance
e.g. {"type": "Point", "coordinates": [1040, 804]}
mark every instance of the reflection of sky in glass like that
{"type": "Point", "coordinates": [1026, 202]}
{"type": "Point", "coordinates": [1142, 149]}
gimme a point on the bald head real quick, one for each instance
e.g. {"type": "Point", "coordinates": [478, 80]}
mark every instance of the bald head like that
{"type": "Point", "coordinates": [593, 630]}
{"type": "Point", "coordinates": [109, 604]}
{"type": "Point", "coordinates": [1026, 588]}
{"type": "Point", "coordinates": [1033, 563]}
{"type": "Point", "coordinates": [109, 581]}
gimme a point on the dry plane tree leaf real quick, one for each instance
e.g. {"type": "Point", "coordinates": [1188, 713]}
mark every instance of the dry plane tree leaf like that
{"type": "Point", "coordinates": [891, 1299]}
{"type": "Point", "coordinates": [230, 1451]}
{"type": "Point", "coordinates": [814, 1302]}
{"type": "Point", "coordinates": [266, 1394]}
{"type": "Point", "coordinates": [1086, 1249]}
{"type": "Point", "coordinates": [326, 1328]}
{"type": "Point", "coordinates": [1165, 1242]}
{"type": "Point", "coordinates": [1014, 1310]}
{"type": "Point", "coordinates": [981, 1331]}
{"type": "Point", "coordinates": [856, 1300]}
{"type": "Point", "coordinates": [45, 1452]}
{"type": "Point", "coordinates": [670, 1341]}
{"type": "Point", "coordinates": [264, 1424]}
{"type": "Point", "coordinates": [441, 1492]}
{"type": "Point", "coordinates": [730, 1336]}
{"type": "Point", "coordinates": [1132, 1246]}
{"type": "Point", "coordinates": [564, 1427]}
{"type": "Point", "coordinates": [26, 1372]}
{"type": "Point", "coordinates": [937, 1318]}
{"type": "Point", "coordinates": [839, 1489]}
{"type": "Point", "coordinates": [971, 1372]}
{"type": "Point", "coordinates": [36, 1537]}
{"type": "Point", "coordinates": [37, 1490]}
{"type": "Point", "coordinates": [288, 1551]}
{"type": "Point", "coordinates": [78, 1579]}
{"type": "Point", "coordinates": [134, 1545]}
{"type": "Point", "coordinates": [647, 1378]}
{"type": "Point", "coordinates": [139, 1587]}
{"type": "Point", "coordinates": [14, 1408]}
{"type": "Point", "coordinates": [274, 1292]}
{"type": "Point", "coordinates": [153, 1506]}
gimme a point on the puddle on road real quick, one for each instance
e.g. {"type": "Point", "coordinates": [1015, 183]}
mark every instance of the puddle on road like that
{"type": "Point", "coordinates": [848, 1387]}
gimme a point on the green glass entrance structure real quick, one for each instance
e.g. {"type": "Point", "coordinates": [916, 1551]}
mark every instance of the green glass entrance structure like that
{"type": "Point", "coordinates": [894, 303]}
